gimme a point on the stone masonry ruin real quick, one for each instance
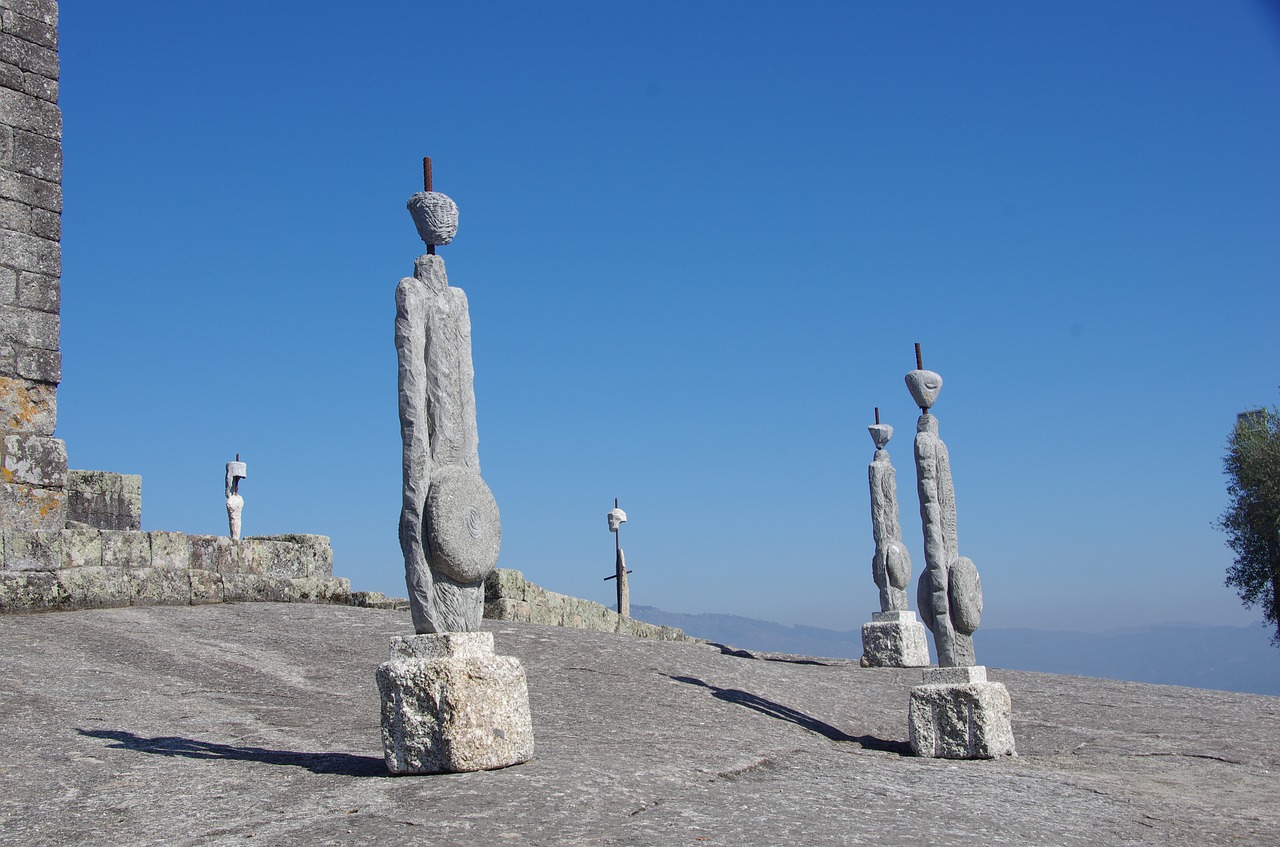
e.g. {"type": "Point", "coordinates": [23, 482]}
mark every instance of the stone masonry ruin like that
{"type": "Point", "coordinates": [68, 538]}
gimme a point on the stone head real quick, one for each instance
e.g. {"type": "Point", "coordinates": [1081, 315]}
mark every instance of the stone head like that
{"type": "Point", "coordinates": [880, 434]}
{"type": "Point", "coordinates": [435, 215]}
{"type": "Point", "coordinates": [924, 387]}
{"type": "Point", "coordinates": [617, 517]}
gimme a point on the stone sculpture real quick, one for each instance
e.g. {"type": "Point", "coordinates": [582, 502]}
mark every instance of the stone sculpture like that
{"type": "Point", "coordinates": [617, 518]}
{"type": "Point", "coordinates": [949, 593]}
{"type": "Point", "coordinates": [448, 702]}
{"type": "Point", "coordinates": [893, 638]}
{"type": "Point", "coordinates": [236, 471]}
{"type": "Point", "coordinates": [449, 526]}
{"type": "Point", "coordinates": [957, 713]}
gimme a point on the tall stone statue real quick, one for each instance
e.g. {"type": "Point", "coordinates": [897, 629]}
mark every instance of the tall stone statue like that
{"type": "Point", "coordinates": [236, 471]}
{"type": "Point", "coordinates": [957, 713]}
{"type": "Point", "coordinates": [449, 527]}
{"type": "Point", "coordinates": [949, 593]}
{"type": "Point", "coordinates": [893, 638]}
{"type": "Point", "coordinates": [449, 703]}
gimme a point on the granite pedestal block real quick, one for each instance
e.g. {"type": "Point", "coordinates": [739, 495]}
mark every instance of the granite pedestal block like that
{"type": "Point", "coordinates": [450, 705]}
{"type": "Point", "coordinates": [894, 640]}
{"type": "Point", "coordinates": [958, 714]}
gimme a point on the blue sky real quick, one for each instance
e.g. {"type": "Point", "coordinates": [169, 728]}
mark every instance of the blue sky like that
{"type": "Point", "coordinates": [699, 241]}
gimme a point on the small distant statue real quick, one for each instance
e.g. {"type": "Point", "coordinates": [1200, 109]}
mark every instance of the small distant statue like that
{"type": "Point", "coordinates": [236, 471]}
{"type": "Point", "coordinates": [617, 518]}
{"type": "Point", "coordinates": [891, 563]}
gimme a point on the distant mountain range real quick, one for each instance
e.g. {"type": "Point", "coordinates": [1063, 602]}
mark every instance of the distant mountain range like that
{"type": "Point", "coordinates": [1228, 658]}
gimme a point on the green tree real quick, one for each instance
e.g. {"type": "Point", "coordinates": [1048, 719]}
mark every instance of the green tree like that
{"type": "Point", "coordinates": [1252, 519]}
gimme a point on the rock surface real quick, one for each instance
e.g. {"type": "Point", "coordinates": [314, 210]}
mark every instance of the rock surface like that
{"type": "Point", "coordinates": [208, 725]}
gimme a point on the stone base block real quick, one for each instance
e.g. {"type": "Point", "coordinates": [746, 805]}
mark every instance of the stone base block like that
{"type": "Point", "coordinates": [449, 705]}
{"type": "Point", "coordinates": [960, 719]}
{"type": "Point", "coordinates": [894, 640]}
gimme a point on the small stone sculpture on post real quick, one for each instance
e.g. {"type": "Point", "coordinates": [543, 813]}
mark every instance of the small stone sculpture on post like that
{"type": "Point", "coordinates": [448, 702]}
{"type": "Point", "coordinates": [236, 471]}
{"type": "Point", "coordinates": [617, 518]}
{"type": "Point", "coordinates": [893, 638]}
{"type": "Point", "coordinates": [957, 713]}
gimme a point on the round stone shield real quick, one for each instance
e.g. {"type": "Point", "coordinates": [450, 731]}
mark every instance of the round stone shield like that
{"type": "Point", "coordinates": [463, 529]}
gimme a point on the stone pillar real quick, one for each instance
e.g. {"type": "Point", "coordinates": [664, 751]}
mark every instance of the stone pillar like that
{"type": "Point", "coordinates": [449, 704]}
{"type": "Point", "coordinates": [958, 714]}
{"type": "Point", "coordinates": [33, 464]}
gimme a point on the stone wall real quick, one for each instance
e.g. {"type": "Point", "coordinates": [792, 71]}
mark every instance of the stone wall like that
{"type": "Point", "coordinates": [47, 570]}
{"type": "Point", "coordinates": [33, 464]}
{"type": "Point", "coordinates": [508, 596]}
{"type": "Point", "coordinates": [104, 500]}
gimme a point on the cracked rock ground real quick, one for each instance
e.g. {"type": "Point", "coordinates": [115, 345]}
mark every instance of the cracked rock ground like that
{"type": "Point", "coordinates": [217, 724]}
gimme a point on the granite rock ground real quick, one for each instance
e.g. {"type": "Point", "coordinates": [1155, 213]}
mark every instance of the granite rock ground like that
{"type": "Point", "coordinates": [258, 723]}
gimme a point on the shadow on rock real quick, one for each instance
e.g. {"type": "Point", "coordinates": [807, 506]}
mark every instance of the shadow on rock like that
{"type": "Point", "coordinates": [786, 713]}
{"type": "Point", "coordinates": [345, 764]}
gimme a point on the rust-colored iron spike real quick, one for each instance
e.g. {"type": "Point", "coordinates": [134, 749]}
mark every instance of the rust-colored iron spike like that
{"type": "Point", "coordinates": [877, 416]}
{"type": "Point", "coordinates": [615, 502]}
{"type": "Point", "coordinates": [426, 186]}
{"type": "Point", "coordinates": [919, 361]}
{"type": "Point", "coordinates": [237, 457]}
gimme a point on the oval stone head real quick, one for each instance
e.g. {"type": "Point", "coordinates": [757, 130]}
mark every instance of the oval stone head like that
{"type": "Point", "coordinates": [880, 434]}
{"type": "Point", "coordinates": [924, 387]}
{"type": "Point", "coordinates": [435, 215]}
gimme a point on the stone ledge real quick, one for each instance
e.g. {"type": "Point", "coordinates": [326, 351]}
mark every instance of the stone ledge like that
{"type": "Point", "coordinates": [508, 596]}
{"type": "Point", "coordinates": [111, 587]}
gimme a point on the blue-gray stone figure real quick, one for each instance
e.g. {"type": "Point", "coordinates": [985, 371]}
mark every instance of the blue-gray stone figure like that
{"type": "Point", "coordinates": [449, 526]}
{"type": "Point", "coordinates": [949, 593]}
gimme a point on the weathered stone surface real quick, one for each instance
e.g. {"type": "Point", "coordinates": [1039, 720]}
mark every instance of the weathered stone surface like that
{"type": "Point", "coordinates": [206, 586]}
{"type": "Point", "coordinates": [311, 555]}
{"type": "Point", "coordinates": [125, 548]}
{"type": "Point", "coordinates": [961, 721]}
{"type": "Point", "coordinates": [33, 550]}
{"type": "Point", "coordinates": [890, 563]}
{"type": "Point", "coordinates": [435, 216]}
{"type": "Point", "coordinates": [33, 507]}
{"type": "Point", "coordinates": [955, 676]}
{"type": "Point", "coordinates": [81, 548]}
{"type": "Point", "coordinates": [214, 723]}
{"type": "Point", "coordinates": [215, 553]}
{"type": "Point", "coordinates": [941, 549]}
{"type": "Point", "coordinates": [464, 531]}
{"type": "Point", "coordinates": [37, 365]}
{"type": "Point", "coordinates": [31, 591]}
{"type": "Point", "coordinates": [438, 429]}
{"type": "Point", "coordinates": [27, 407]}
{"type": "Point", "coordinates": [169, 550]}
{"type": "Point", "coordinates": [34, 460]}
{"type": "Point", "coordinates": [105, 500]}
{"type": "Point", "coordinates": [964, 595]}
{"type": "Point", "coordinates": [458, 708]}
{"type": "Point", "coordinates": [258, 588]}
{"type": "Point", "coordinates": [894, 640]}
{"type": "Point", "coordinates": [95, 587]}
{"type": "Point", "coordinates": [508, 596]}
{"type": "Point", "coordinates": [157, 587]}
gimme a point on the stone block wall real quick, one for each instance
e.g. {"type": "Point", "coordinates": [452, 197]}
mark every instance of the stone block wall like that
{"type": "Point", "coordinates": [84, 568]}
{"type": "Point", "coordinates": [508, 596]}
{"type": "Point", "coordinates": [104, 500]}
{"type": "Point", "coordinates": [33, 464]}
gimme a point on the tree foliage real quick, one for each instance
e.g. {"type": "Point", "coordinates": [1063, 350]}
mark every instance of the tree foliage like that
{"type": "Point", "coordinates": [1252, 519]}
